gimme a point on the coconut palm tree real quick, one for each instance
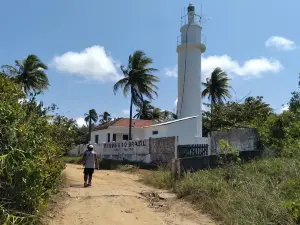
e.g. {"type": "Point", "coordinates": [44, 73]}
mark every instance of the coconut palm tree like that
{"type": "Point", "coordinates": [144, 111]}
{"type": "Point", "coordinates": [168, 116]}
{"type": "Point", "coordinates": [216, 89]}
{"type": "Point", "coordinates": [90, 117]}
{"type": "Point", "coordinates": [105, 117]}
{"type": "Point", "coordinates": [156, 114]}
{"type": "Point", "coordinates": [30, 73]}
{"type": "Point", "coordinates": [138, 81]}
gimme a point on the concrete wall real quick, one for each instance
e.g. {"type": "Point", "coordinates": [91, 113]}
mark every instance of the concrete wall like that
{"type": "Point", "coordinates": [242, 139]}
{"type": "Point", "coordinates": [186, 130]}
{"type": "Point", "coordinates": [129, 150]}
{"type": "Point", "coordinates": [162, 150]}
{"type": "Point", "coordinates": [155, 149]}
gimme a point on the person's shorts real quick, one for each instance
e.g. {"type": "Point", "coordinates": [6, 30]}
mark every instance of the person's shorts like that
{"type": "Point", "coordinates": [88, 171]}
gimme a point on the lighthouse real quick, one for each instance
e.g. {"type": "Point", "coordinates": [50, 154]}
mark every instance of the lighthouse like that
{"type": "Point", "coordinates": [189, 49]}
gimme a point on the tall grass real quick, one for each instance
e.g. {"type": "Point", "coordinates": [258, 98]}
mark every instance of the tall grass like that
{"type": "Point", "coordinates": [253, 193]}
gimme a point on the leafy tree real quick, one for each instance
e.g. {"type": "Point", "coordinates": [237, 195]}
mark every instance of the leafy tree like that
{"type": "Point", "coordinates": [66, 128]}
{"type": "Point", "coordinates": [105, 117]}
{"type": "Point", "coordinates": [138, 81]}
{"type": "Point", "coordinates": [82, 135]}
{"type": "Point", "coordinates": [294, 104]}
{"type": "Point", "coordinates": [237, 115]}
{"type": "Point", "coordinates": [30, 73]}
{"type": "Point", "coordinates": [30, 164]}
{"type": "Point", "coordinates": [216, 88]}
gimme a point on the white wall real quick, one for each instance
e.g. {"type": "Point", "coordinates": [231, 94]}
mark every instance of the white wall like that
{"type": "Point", "coordinates": [119, 131]}
{"type": "Point", "coordinates": [186, 130]}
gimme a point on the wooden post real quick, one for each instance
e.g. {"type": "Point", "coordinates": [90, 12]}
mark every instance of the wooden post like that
{"type": "Point", "coordinates": [176, 147]}
{"type": "Point", "coordinates": [175, 162]}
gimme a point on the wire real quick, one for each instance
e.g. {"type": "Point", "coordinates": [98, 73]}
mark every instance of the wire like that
{"type": "Point", "coordinates": [186, 35]}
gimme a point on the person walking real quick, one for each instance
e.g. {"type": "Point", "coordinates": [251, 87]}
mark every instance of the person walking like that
{"type": "Point", "coordinates": [90, 162]}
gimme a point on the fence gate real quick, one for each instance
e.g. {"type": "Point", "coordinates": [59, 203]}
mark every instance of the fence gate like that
{"type": "Point", "coordinates": [193, 157]}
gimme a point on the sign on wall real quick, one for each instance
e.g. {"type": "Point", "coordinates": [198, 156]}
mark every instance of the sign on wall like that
{"type": "Point", "coordinates": [130, 150]}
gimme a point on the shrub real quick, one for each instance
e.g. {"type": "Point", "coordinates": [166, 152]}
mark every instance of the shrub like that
{"type": "Point", "coordinates": [30, 166]}
{"type": "Point", "coordinates": [261, 192]}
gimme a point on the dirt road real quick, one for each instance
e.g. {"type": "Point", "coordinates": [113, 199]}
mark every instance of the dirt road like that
{"type": "Point", "coordinates": [118, 198]}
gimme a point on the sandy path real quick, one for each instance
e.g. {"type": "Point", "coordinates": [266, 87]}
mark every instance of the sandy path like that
{"type": "Point", "coordinates": [115, 199]}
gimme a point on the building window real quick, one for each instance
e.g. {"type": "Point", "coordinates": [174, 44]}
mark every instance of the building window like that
{"type": "Point", "coordinates": [96, 139]}
{"type": "Point", "coordinates": [108, 137]}
{"type": "Point", "coordinates": [154, 132]}
{"type": "Point", "coordinates": [125, 137]}
{"type": "Point", "coordinates": [114, 137]}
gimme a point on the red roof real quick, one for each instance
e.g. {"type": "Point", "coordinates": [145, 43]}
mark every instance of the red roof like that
{"type": "Point", "coordinates": [124, 122]}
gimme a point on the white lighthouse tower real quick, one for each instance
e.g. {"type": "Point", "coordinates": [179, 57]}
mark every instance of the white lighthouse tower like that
{"type": "Point", "coordinates": [189, 51]}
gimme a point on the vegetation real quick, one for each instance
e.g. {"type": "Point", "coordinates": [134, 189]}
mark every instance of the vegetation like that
{"type": "Point", "coordinates": [264, 191]}
{"type": "Point", "coordinates": [30, 73]}
{"type": "Point", "coordinates": [146, 111]}
{"type": "Point", "coordinates": [105, 117]}
{"type": "Point", "coordinates": [138, 81]}
{"type": "Point", "coordinates": [72, 159]}
{"type": "Point", "coordinates": [32, 142]}
{"type": "Point", "coordinates": [90, 117]}
{"type": "Point", "coordinates": [216, 89]}
{"type": "Point", "coordinates": [260, 192]}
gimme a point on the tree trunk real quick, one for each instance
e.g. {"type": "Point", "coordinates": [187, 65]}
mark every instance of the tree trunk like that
{"type": "Point", "coordinates": [90, 129]}
{"type": "Point", "coordinates": [130, 117]}
{"type": "Point", "coordinates": [211, 116]}
{"type": "Point", "coordinates": [211, 127]}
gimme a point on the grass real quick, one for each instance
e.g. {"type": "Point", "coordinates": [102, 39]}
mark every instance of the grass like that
{"type": "Point", "coordinates": [128, 168]}
{"type": "Point", "coordinates": [72, 159]}
{"type": "Point", "coordinates": [252, 193]}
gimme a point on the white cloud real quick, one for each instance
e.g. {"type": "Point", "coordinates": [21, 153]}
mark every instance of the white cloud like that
{"type": "Point", "coordinates": [126, 111]}
{"type": "Point", "coordinates": [80, 121]}
{"type": "Point", "coordinates": [280, 43]}
{"type": "Point", "coordinates": [249, 68]}
{"type": "Point", "coordinates": [252, 67]}
{"type": "Point", "coordinates": [171, 72]}
{"type": "Point", "coordinates": [284, 108]}
{"type": "Point", "coordinates": [23, 100]}
{"type": "Point", "coordinates": [92, 63]}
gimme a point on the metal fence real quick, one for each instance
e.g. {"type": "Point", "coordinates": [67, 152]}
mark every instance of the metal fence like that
{"type": "Point", "coordinates": [191, 151]}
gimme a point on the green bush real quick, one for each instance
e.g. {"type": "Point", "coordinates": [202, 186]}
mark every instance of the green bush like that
{"type": "Point", "coordinates": [261, 192]}
{"type": "Point", "coordinates": [30, 163]}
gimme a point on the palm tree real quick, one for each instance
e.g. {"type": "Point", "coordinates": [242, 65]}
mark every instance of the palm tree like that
{"type": "Point", "coordinates": [144, 111]}
{"type": "Point", "coordinates": [105, 117]}
{"type": "Point", "coordinates": [30, 73]}
{"type": "Point", "coordinates": [168, 116]}
{"type": "Point", "coordinates": [217, 89]}
{"type": "Point", "coordinates": [156, 114]}
{"type": "Point", "coordinates": [90, 117]}
{"type": "Point", "coordinates": [138, 81]}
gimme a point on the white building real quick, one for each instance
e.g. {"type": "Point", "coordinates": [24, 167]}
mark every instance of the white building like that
{"type": "Point", "coordinates": [188, 127]}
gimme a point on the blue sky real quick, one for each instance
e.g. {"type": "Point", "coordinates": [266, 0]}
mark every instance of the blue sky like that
{"type": "Point", "coordinates": [84, 42]}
